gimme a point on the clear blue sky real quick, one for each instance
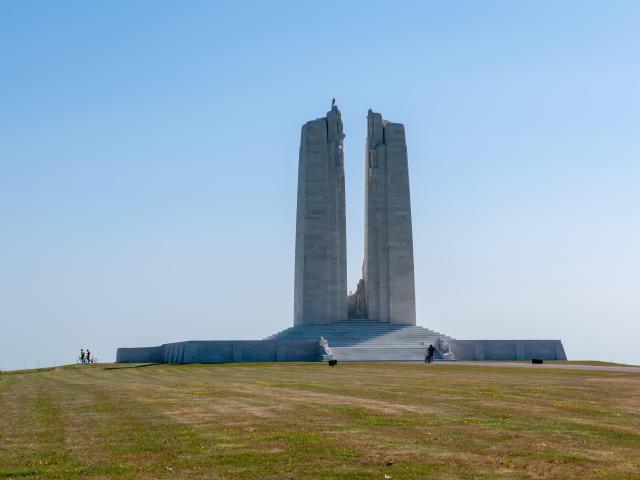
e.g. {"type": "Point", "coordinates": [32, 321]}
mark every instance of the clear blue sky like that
{"type": "Point", "coordinates": [149, 149]}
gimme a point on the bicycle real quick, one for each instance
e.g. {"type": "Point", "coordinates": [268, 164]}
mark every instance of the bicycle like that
{"type": "Point", "coordinates": [86, 360]}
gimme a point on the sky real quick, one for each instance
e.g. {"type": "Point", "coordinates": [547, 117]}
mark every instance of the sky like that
{"type": "Point", "coordinates": [149, 154]}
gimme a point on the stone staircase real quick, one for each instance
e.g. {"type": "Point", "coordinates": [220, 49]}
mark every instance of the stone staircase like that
{"type": "Point", "coordinates": [361, 339]}
{"type": "Point", "coordinates": [358, 318]}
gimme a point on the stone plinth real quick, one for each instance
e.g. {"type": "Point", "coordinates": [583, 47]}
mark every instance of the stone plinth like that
{"type": "Point", "coordinates": [223, 351]}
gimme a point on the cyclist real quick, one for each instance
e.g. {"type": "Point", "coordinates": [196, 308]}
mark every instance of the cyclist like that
{"type": "Point", "coordinates": [429, 357]}
{"type": "Point", "coordinates": [88, 356]}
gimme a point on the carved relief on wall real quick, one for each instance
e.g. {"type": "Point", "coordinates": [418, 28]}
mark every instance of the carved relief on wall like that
{"type": "Point", "coordinates": [373, 158]}
{"type": "Point", "coordinates": [357, 302]}
{"type": "Point", "coordinates": [373, 183]}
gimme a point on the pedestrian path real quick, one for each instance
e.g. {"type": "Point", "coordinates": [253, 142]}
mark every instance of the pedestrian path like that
{"type": "Point", "coordinates": [564, 366]}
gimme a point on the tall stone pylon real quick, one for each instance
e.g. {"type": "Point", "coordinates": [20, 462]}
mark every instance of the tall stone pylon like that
{"type": "Point", "coordinates": [320, 289]}
{"type": "Point", "coordinates": [388, 258]}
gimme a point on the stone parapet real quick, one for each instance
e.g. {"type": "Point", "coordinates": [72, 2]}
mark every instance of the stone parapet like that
{"type": "Point", "coordinates": [223, 351]}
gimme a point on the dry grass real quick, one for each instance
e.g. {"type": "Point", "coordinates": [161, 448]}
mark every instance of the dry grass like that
{"type": "Point", "coordinates": [311, 421]}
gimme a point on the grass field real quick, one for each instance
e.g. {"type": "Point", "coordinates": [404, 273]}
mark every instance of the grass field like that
{"type": "Point", "coordinates": [312, 421]}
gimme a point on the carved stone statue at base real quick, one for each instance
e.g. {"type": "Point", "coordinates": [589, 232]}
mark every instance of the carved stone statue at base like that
{"type": "Point", "coordinates": [357, 302]}
{"type": "Point", "coordinates": [443, 349]}
{"type": "Point", "coordinates": [325, 350]}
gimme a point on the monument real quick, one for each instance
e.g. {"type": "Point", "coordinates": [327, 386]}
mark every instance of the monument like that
{"type": "Point", "coordinates": [388, 276]}
{"type": "Point", "coordinates": [378, 321]}
{"type": "Point", "coordinates": [320, 286]}
{"type": "Point", "coordinates": [386, 293]}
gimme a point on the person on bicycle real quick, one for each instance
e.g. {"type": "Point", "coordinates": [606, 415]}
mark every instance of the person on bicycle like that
{"type": "Point", "coordinates": [82, 356]}
{"type": "Point", "coordinates": [88, 356]}
{"type": "Point", "coordinates": [429, 357]}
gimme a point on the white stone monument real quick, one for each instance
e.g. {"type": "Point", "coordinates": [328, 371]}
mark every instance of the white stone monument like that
{"type": "Point", "coordinates": [320, 289]}
{"type": "Point", "coordinates": [388, 244]}
{"type": "Point", "coordinates": [378, 321]}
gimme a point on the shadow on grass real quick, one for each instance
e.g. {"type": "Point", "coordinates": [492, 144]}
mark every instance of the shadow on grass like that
{"type": "Point", "coordinates": [17, 473]}
{"type": "Point", "coordinates": [132, 366]}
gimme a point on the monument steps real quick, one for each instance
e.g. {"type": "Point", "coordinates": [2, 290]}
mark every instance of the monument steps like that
{"type": "Point", "coordinates": [353, 318]}
{"type": "Point", "coordinates": [367, 340]}
{"type": "Point", "coordinates": [402, 354]}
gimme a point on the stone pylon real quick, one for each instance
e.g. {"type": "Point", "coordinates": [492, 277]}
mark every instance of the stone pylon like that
{"type": "Point", "coordinates": [388, 256]}
{"type": "Point", "coordinates": [320, 290]}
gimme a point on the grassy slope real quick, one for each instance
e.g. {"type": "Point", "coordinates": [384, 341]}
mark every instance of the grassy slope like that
{"type": "Point", "coordinates": [312, 421]}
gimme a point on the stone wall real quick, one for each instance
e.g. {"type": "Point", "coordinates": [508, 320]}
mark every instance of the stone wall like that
{"type": "Point", "coordinates": [507, 349]}
{"type": "Point", "coordinates": [139, 355]}
{"type": "Point", "coordinates": [223, 351]}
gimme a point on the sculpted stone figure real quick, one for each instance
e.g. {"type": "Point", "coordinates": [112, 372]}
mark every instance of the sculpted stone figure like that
{"type": "Point", "coordinates": [361, 306]}
{"type": "Point", "coordinates": [373, 159]}
{"type": "Point", "coordinates": [325, 350]}
{"type": "Point", "coordinates": [443, 349]}
{"type": "Point", "coordinates": [357, 302]}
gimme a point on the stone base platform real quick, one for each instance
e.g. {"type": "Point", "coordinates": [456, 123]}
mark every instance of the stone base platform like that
{"type": "Point", "coordinates": [372, 341]}
{"type": "Point", "coordinates": [224, 351]}
{"type": "Point", "coordinates": [359, 341]}
{"type": "Point", "coordinates": [504, 350]}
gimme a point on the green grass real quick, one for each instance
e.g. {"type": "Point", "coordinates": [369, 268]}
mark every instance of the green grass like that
{"type": "Point", "coordinates": [311, 421]}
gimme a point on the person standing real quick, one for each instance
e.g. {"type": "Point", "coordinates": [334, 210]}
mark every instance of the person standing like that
{"type": "Point", "coordinates": [88, 356]}
{"type": "Point", "coordinates": [82, 356]}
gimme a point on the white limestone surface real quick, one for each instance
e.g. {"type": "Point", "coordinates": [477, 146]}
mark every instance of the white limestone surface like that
{"type": "Point", "coordinates": [388, 263]}
{"type": "Point", "coordinates": [320, 290]}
